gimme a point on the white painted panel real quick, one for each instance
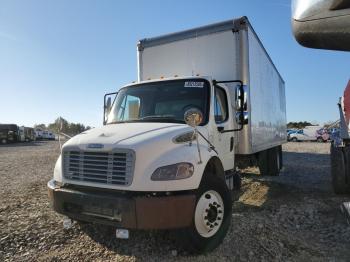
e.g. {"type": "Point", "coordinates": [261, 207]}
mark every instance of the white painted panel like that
{"type": "Point", "coordinates": [267, 98]}
{"type": "Point", "coordinates": [212, 55]}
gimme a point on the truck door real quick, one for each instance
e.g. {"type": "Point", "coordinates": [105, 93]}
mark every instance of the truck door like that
{"type": "Point", "coordinates": [224, 142]}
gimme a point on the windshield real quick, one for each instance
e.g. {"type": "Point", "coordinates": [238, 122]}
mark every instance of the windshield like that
{"type": "Point", "coordinates": [160, 101]}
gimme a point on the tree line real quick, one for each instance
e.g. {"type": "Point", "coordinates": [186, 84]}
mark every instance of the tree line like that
{"type": "Point", "coordinates": [63, 126]}
{"type": "Point", "coordinates": [298, 125]}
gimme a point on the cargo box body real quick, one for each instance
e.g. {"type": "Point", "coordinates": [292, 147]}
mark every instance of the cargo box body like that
{"type": "Point", "coordinates": [228, 50]}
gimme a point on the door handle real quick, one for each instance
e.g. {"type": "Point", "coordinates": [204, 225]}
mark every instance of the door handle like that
{"type": "Point", "coordinates": [231, 144]}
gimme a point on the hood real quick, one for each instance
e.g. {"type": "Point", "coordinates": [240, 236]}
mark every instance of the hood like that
{"type": "Point", "coordinates": [124, 134]}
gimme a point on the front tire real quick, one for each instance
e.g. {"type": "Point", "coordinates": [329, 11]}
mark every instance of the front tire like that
{"type": "Point", "coordinates": [212, 216]}
{"type": "Point", "coordinates": [294, 139]}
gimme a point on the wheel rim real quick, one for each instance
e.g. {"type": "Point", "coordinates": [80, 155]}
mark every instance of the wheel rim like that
{"type": "Point", "coordinates": [209, 213]}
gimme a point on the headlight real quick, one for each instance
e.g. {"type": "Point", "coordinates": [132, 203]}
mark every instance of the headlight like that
{"type": "Point", "coordinates": [173, 172]}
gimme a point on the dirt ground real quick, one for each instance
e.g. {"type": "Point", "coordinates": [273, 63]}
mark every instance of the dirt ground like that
{"type": "Point", "coordinates": [293, 217]}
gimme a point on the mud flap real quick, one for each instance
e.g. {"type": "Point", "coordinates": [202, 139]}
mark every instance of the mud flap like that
{"type": "Point", "coordinates": [340, 169]}
{"type": "Point", "coordinates": [270, 161]}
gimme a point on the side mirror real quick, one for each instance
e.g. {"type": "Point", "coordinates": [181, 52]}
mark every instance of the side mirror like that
{"type": "Point", "coordinates": [323, 24]}
{"type": "Point", "coordinates": [193, 117]}
{"type": "Point", "coordinates": [241, 98]}
{"type": "Point", "coordinates": [242, 118]}
{"type": "Point", "coordinates": [241, 105]}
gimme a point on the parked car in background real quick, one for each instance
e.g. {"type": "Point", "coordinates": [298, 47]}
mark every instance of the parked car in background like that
{"type": "Point", "coordinates": [51, 136]}
{"type": "Point", "coordinates": [309, 133]}
{"type": "Point", "coordinates": [38, 134]}
{"type": "Point", "coordinates": [334, 133]}
{"type": "Point", "coordinates": [45, 135]}
{"type": "Point", "coordinates": [8, 133]}
{"type": "Point", "coordinates": [26, 134]}
{"type": "Point", "coordinates": [291, 131]}
{"type": "Point", "coordinates": [48, 135]}
{"type": "Point", "coordinates": [21, 136]}
{"type": "Point", "coordinates": [322, 135]}
{"type": "Point", "coordinates": [29, 133]}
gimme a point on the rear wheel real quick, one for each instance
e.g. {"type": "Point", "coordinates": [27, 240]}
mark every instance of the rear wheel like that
{"type": "Point", "coordinates": [339, 171]}
{"type": "Point", "coordinates": [270, 161]}
{"type": "Point", "coordinates": [212, 216]}
{"type": "Point", "coordinates": [4, 141]}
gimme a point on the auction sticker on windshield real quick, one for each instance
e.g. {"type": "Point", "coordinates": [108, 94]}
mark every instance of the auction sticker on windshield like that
{"type": "Point", "coordinates": [194, 84]}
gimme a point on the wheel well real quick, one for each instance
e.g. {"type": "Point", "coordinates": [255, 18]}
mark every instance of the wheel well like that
{"type": "Point", "coordinates": [214, 166]}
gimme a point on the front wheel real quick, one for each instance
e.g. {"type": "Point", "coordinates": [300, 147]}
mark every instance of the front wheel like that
{"type": "Point", "coordinates": [4, 141]}
{"type": "Point", "coordinates": [212, 216]}
{"type": "Point", "coordinates": [294, 139]}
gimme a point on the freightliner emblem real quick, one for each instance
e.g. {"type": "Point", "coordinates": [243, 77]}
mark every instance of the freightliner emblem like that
{"type": "Point", "coordinates": [95, 146]}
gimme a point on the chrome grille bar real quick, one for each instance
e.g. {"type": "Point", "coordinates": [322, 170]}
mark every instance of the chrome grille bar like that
{"type": "Point", "coordinates": [114, 167]}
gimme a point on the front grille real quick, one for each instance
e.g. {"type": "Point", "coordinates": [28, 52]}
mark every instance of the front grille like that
{"type": "Point", "coordinates": [114, 168]}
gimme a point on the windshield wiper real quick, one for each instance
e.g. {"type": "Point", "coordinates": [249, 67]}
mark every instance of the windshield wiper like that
{"type": "Point", "coordinates": [152, 118]}
{"type": "Point", "coordinates": [157, 117]}
{"type": "Point", "coordinates": [161, 118]}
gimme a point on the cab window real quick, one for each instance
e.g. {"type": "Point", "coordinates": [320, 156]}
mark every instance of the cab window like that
{"type": "Point", "coordinates": [220, 105]}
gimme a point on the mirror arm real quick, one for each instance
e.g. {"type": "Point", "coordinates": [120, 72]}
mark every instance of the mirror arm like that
{"type": "Point", "coordinates": [211, 145]}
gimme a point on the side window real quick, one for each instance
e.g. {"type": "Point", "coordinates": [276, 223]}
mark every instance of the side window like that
{"type": "Point", "coordinates": [129, 110]}
{"type": "Point", "coordinates": [220, 107]}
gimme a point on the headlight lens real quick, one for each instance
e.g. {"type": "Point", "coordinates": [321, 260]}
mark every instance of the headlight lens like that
{"type": "Point", "coordinates": [173, 172]}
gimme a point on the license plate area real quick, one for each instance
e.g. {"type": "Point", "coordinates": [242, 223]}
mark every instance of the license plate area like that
{"type": "Point", "coordinates": [108, 212]}
{"type": "Point", "coordinates": [104, 209]}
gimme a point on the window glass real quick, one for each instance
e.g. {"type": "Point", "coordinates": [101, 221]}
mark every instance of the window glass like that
{"type": "Point", "coordinates": [220, 106]}
{"type": "Point", "coordinates": [130, 108]}
{"type": "Point", "coordinates": [160, 101]}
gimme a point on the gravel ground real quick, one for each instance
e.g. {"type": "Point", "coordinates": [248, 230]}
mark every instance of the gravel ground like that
{"type": "Point", "coordinates": [293, 217]}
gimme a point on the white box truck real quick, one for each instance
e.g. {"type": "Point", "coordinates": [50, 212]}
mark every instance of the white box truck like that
{"type": "Point", "coordinates": [309, 133]}
{"type": "Point", "coordinates": [206, 100]}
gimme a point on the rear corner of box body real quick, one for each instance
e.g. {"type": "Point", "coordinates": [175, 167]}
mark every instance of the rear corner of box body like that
{"type": "Point", "coordinates": [267, 98]}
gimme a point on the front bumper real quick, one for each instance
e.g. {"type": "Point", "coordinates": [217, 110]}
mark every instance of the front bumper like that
{"type": "Point", "coordinates": [123, 210]}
